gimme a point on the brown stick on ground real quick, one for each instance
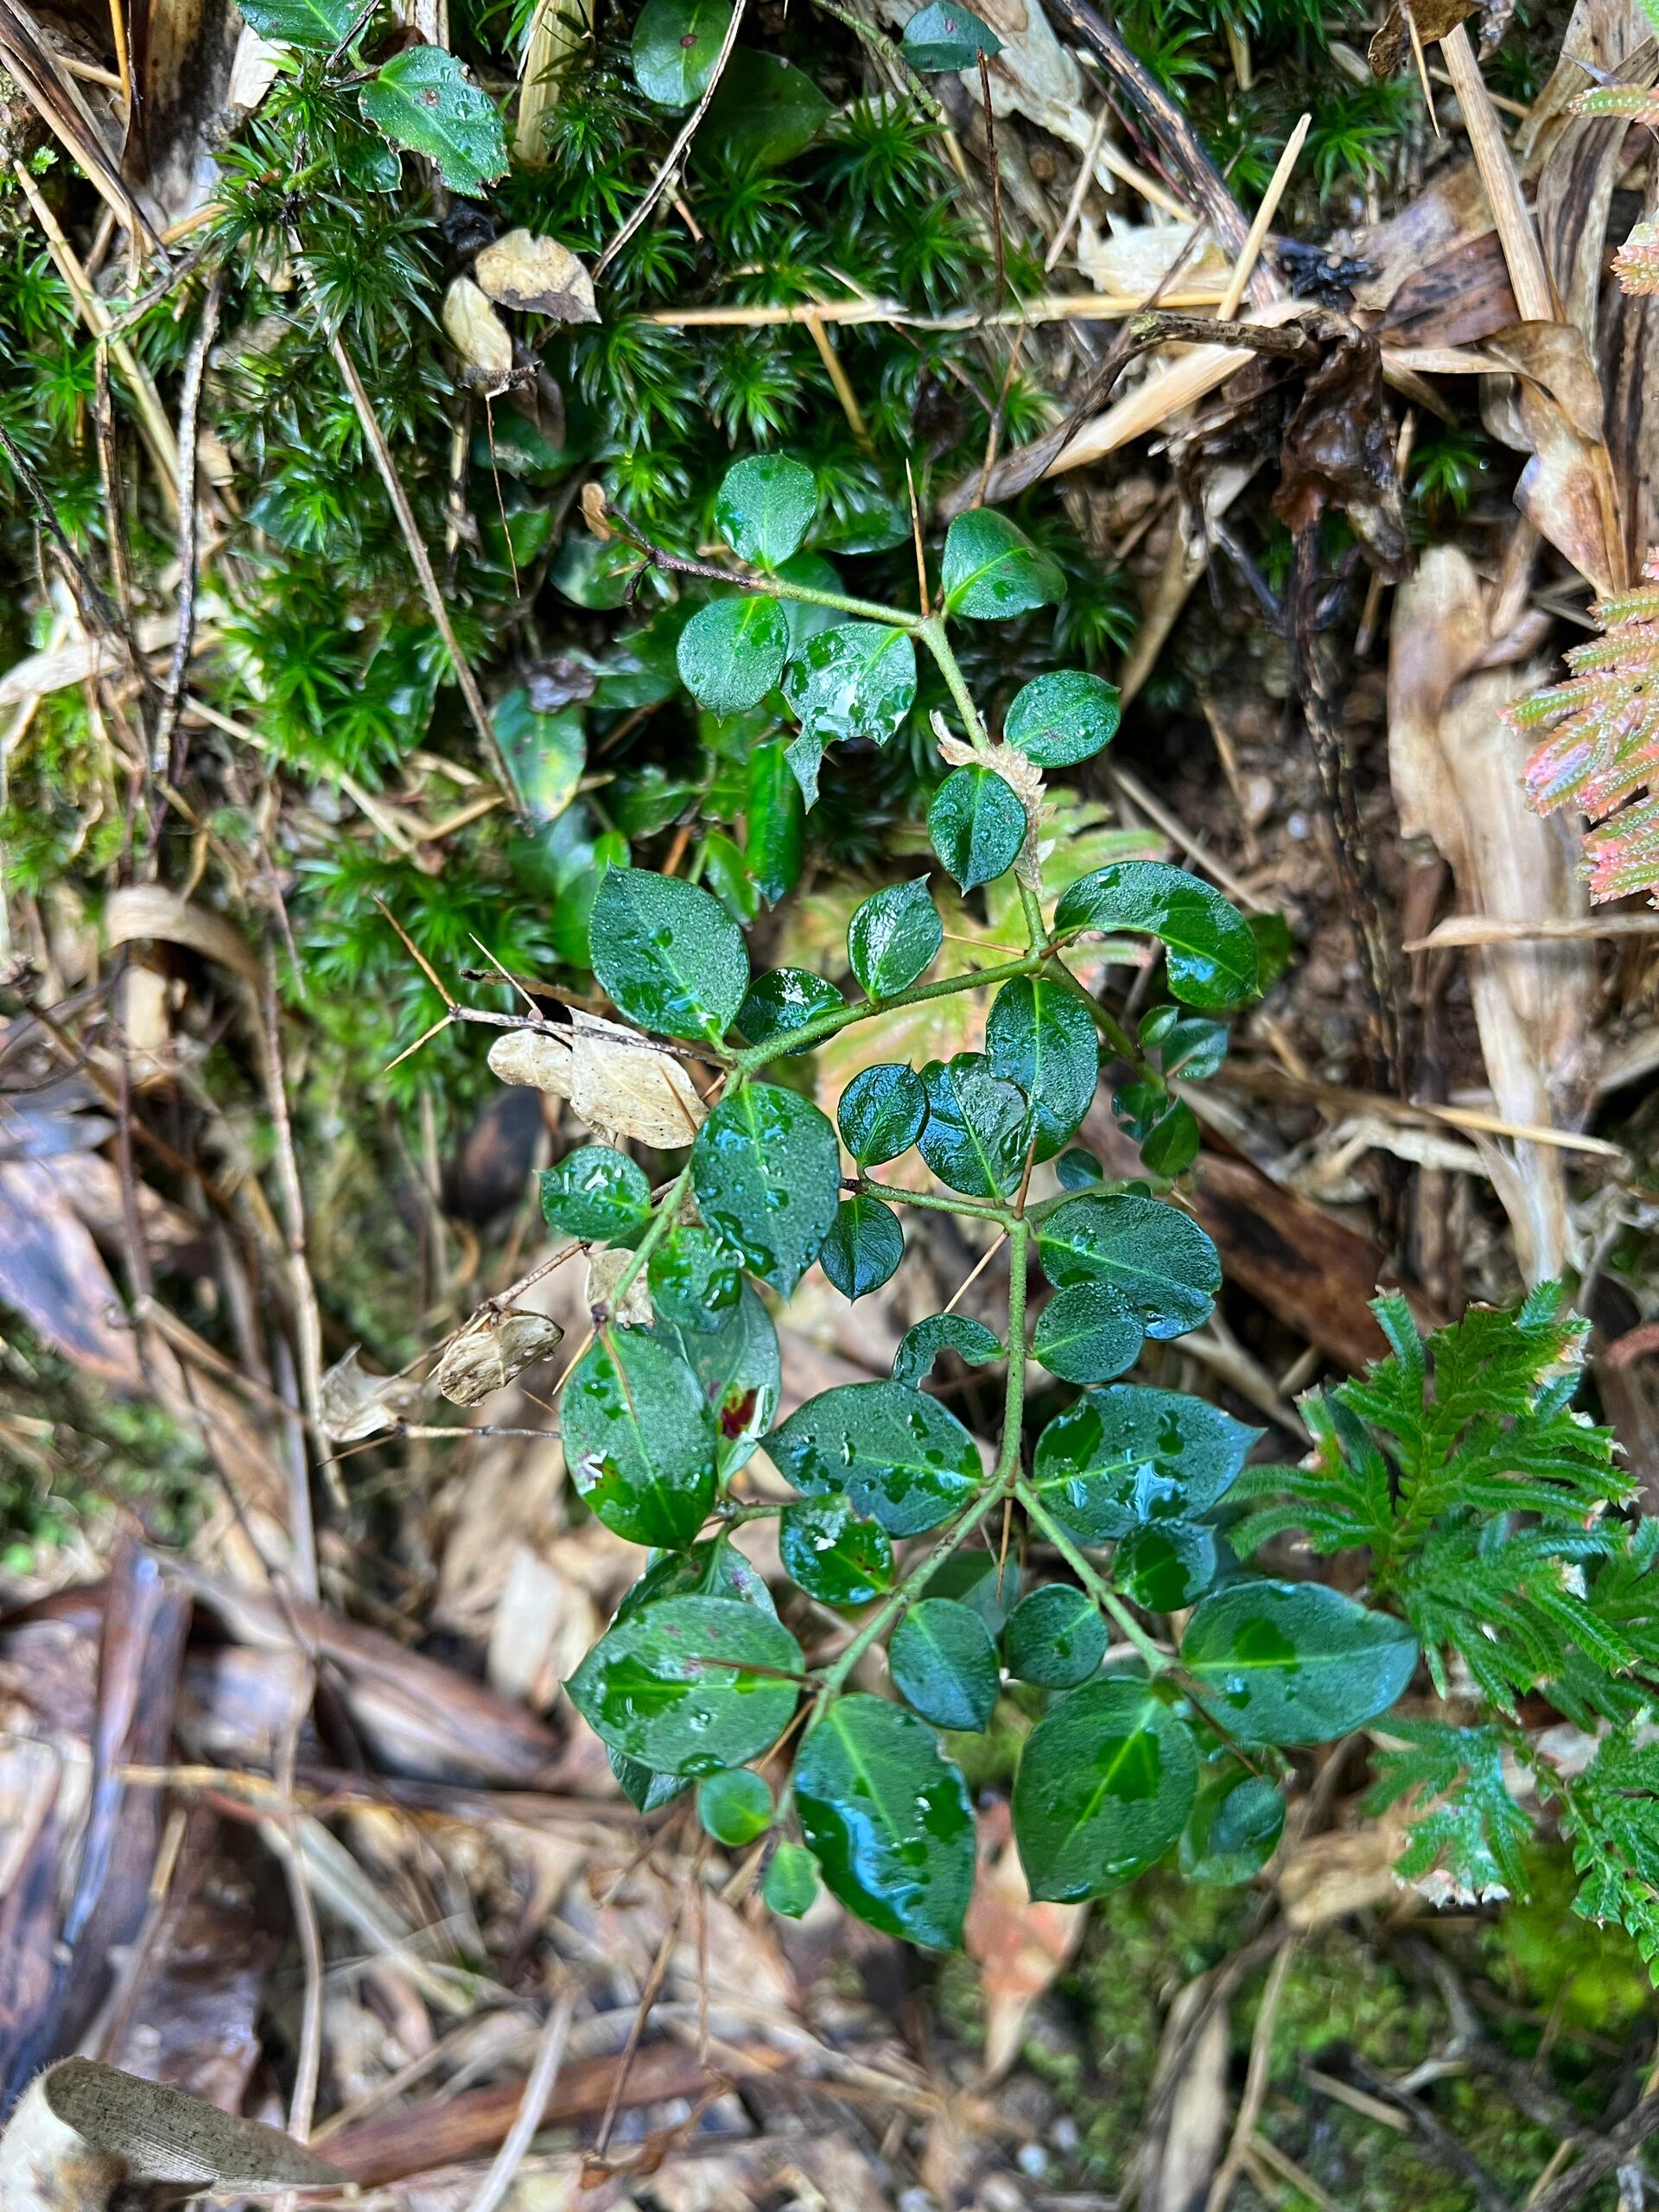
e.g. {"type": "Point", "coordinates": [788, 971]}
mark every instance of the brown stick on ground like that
{"type": "Point", "coordinates": [418, 2138]}
{"type": "Point", "coordinates": [1171, 129]}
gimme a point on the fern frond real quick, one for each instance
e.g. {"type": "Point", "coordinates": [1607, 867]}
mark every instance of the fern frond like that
{"type": "Point", "coordinates": [1467, 1833]}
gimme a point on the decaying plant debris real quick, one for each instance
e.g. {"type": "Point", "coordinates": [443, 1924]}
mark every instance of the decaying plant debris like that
{"type": "Point", "coordinates": [370, 388]}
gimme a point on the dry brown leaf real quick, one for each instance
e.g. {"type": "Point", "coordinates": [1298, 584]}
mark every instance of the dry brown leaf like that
{"type": "Point", "coordinates": [1197, 2128]}
{"type": "Point", "coordinates": [1553, 411]}
{"type": "Point", "coordinates": [1341, 1872]}
{"type": "Point", "coordinates": [480, 337]}
{"type": "Point", "coordinates": [1456, 776]}
{"type": "Point", "coordinates": [1019, 1944]}
{"type": "Point", "coordinates": [151, 910]}
{"type": "Point", "coordinates": [537, 275]}
{"type": "Point", "coordinates": [542, 1626]}
{"type": "Point", "coordinates": [613, 1079]}
{"type": "Point", "coordinates": [356, 1404]}
{"type": "Point", "coordinates": [486, 1355]}
{"type": "Point", "coordinates": [83, 2128]}
{"type": "Point", "coordinates": [605, 1271]}
{"type": "Point", "coordinates": [1339, 451]}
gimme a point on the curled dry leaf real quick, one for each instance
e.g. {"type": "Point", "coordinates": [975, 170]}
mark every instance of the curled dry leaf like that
{"type": "Point", "coordinates": [1340, 1872]}
{"type": "Point", "coordinates": [151, 910]}
{"type": "Point", "coordinates": [356, 1404]}
{"type": "Point", "coordinates": [537, 275]}
{"type": "Point", "coordinates": [83, 2129]}
{"type": "Point", "coordinates": [613, 1080]}
{"type": "Point", "coordinates": [1553, 411]}
{"type": "Point", "coordinates": [1339, 451]}
{"type": "Point", "coordinates": [477, 334]}
{"type": "Point", "coordinates": [489, 1353]}
{"type": "Point", "coordinates": [605, 1271]}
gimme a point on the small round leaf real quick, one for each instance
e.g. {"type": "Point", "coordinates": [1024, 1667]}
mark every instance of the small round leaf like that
{"type": "Point", "coordinates": [791, 1884]}
{"type": "Point", "coordinates": [1295, 1663]}
{"type": "Point", "coordinates": [690, 1685]}
{"type": "Point", "coordinates": [882, 1113]}
{"type": "Point", "coordinates": [764, 508]}
{"type": "Point", "coordinates": [1104, 1787]}
{"type": "Point", "coordinates": [1087, 1334]}
{"type": "Point", "coordinates": [976, 825]}
{"type": "Point", "coordinates": [784, 999]}
{"type": "Point", "coordinates": [855, 679]}
{"type": "Point", "coordinates": [595, 1192]}
{"type": "Point", "coordinates": [991, 570]}
{"type": "Point", "coordinates": [735, 1806]}
{"type": "Point", "coordinates": [766, 1172]}
{"type": "Point", "coordinates": [1055, 1637]}
{"type": "Point", "coordinates": [732, 651]}
{"type": "Point", "coordinates": [676, 45]}
{"type": "Point", "coordinates": [832, 1552]}
{"type": "Point", "coordinates": [669, 955]}
{"type": "Point", "coordinates": [941, 1659]}
{"type": "Point", "coordinates": [893, 936]}
{"type": "Point", "coordinates": [1167, 1566]}
{"type": "Point", "coordinates": [903, 1458]}
{"type": "Point", "coordinates": [639, 1439]}
{"type": "Point", "coordinates": [864, 1246]}
{"type": "Point", "coordinates": [1060, 719]}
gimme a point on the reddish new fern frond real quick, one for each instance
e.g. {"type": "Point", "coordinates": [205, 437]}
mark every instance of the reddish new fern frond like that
{"type": "Point", "coordinates": [1601, 745]}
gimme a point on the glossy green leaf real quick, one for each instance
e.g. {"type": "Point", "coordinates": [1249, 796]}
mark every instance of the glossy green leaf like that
{"type": "Point", "coordinates": [833, 1552]}
{"type": "Point", "coordinates": [976, 1134]}
{"type": "Point", "coordinates": [1055, 1637]}
{"type": "Point", "coordinates": [864, 1246]}
{"type": "Point", "coordinates": [731, 652]}
{"type": "Point", "coordinates": [695, 1278]}
{"type": "Point", "coordinates": [639, 1439]}
{"type": "Point", "coordinates": [1165, 1565]}
{"type": "Point", "coordinates": [690, 1685]}
{"type": "Point", "coordinates": [1234, 1828]}
{"type": "Point", "coordinates": [976, 825]}
{"type": "Point", "coordinates": [1171, 1146]}
{"type": "Point", "coordinates": [943, 1661]}
{"type": "Point", "coordinates": [676, 45]}
{"type": "Point", "coordinates": [784, 999]}
{"type": "Point", "coordinates": [1086, 1333]}
{"type": "Point", "coordinates": [319, 25]}
{"type": "Point", "coordinates": [854, 679]}
{"type": "Point", "coordinates": [595, 1192]}
{"type": "Point", "coordinates": [764, 508]}
{"type": "Point", "coordinates": [739, 1372]}
{"type": "Point", "coordinates": [882, 1113]}
{"type": "Point", "coordinates": [713, 1567]}
{"type": "Point", "coordinates": [991, 570]}
{"type": "Point", "coordinates": [775, 843]}
{"type": "Point", "coordinates": [805, 620]}
{"type": "Point", "coordinates": [1104, 1787]}
{"type": "Point", "coordinates": [735, 1806]}
{"type": "Point", "coordinates": [424, 101]}
{"type": "Point", "coordinates": [790, 1886]}
{"type": "Point", "coordinates": [1060, 719]}
{"type": "Point", "coordinates": [766, 1171]}
{"type": "Point", "coordinates": [1079, 1170]}
{"type": "Point", "coordinates": [893, 936]}
{"type": "Point", "coordinates": [985, 1582]}
{"type": "Point", "coordinates": [921, 1345]}
{"type": "Point", "coordinates": [1211, 953]}
{"type": "Point", "coordinates": [670, 957]}
{"type": "Point", "coordinates": [646, 1792]}
{"type": "Point", "coordinates": [765, 113]}
{"type": "Point", "coordinates": [902, 1458]}
{"type": "Point", "coordinates": [1126, 1455]}
{"type": "Point", "coordinates": [1294, 1662]}
{"type": "Point", "coordinates": [546, 754]}
{"type": "Point", "coordinates": [806, 757]}
{"type": "Point", "coordinates": [1041, 1036]}
{"type": "Point", "coordinates": [592, 574]}
{"type": "Point", "coordinates": [945, 36]}
{"type": "Point", "coordinates": [1187, 1044]}
{"type": "Point", "coordinates": [889, 1820]}
{"type": "Point", "coordinates": [1160, 1261]}
{"type": "Point", "coordinates": [726, 872]}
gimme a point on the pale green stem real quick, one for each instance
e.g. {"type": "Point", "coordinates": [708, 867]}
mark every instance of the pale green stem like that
{"type": "Point", "coordinates": [976, 1209]}
{"type": "Point", "coordinates": [1094, 1582]}
{"type": "Point", "coordinates": [838, 1018]}
{"type": "Point", "coordinates": [653, 1236]}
